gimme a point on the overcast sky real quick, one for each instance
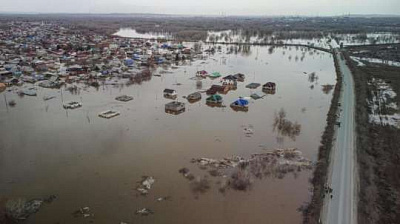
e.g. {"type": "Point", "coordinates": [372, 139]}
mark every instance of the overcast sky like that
{"type": "Point", "coordinates": [206, 7]}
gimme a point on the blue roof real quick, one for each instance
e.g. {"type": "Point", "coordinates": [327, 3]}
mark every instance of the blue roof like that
{"type": "Point", "coordinates": [241, 102]}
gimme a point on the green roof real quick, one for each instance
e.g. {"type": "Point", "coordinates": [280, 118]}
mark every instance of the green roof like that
{"type": "Point", "coordinates": [214, 97]}
{"type": "Point", "coordinates": [215, 74]}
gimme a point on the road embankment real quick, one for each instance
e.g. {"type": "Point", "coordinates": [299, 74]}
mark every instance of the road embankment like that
{"type": "Point", "coordinates": [311, 214]}
{"type": "Point", "coordinates": [378, 153]}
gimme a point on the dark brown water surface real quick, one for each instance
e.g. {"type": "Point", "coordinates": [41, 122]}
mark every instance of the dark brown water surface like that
{"type": "Point", "coordinates": [89, 161]}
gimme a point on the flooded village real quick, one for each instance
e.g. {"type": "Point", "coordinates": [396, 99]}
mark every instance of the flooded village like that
{"type": "Point", "coordinates": [128, 127]}
{"type": "Point", "coordinates": [165, 104]}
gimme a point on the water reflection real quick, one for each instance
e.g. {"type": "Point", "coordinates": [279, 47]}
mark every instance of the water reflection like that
{"type": "Point", "coordinates": [199, 84]}
{"type": "Point", "coordinates": [284, 127]}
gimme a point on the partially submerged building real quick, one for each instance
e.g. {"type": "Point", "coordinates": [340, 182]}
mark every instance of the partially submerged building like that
{"type": "Point", "coordinates": [216, 99]}
{"type": "Point", "coordinates": [175, 107]}
{"type": "Point", "coordinates": [72, 105]}
{"type": "Point", "coordinates": [194, 97]}
{"type": "Point", "coordinates": [269, 87]}
{"type": "Point", "coordinates": [218, 89]}
{"type": "Point", "coordinates": [109, 114]}
{"type": "Point", "coordinates": [240, 105]}
{"type": "Point", "coordinates": [170, 93]}
{"type": "Point", "coordinates": [253, 85]}
{"type": "Point", "coordinates": [124, 98]}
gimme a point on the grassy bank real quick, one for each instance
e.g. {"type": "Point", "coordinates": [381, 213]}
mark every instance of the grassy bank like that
{"type": "Point", "coordinates": [313, 210]}
{"type": "Point", "coordinates": [378, 150]}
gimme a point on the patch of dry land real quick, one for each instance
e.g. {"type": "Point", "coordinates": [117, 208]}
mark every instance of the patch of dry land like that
{"type": "Point", "coordinates": [378, 128]}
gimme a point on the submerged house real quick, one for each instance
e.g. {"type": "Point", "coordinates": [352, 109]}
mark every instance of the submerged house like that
{"type": "Point", "coordinates": [12, 81]}
{"type": "Point", "coordinates": [174, 107]}
{"type": "Point", "coordinates": [214, 99]}
{"type": "Point", "coordinates": [202, 73]}
{"type": "Point", "coordinates": [217, 88]}
{"type": "Point", "coordinates": [193, 97]}
{"type": "Point", "coordinates": [214, 75]}
{"type": "Point", "coordinates": [240, 105]}
{"type": "Point", "coordinates": [72, 105]}
{"type": "Point", "coordinates": [255, 96]}
{"type": "Point", "coordinates": [253, 85]}
{"type": "Point", "coordinates": [75, 70]}
{"type": "Point", "coordinates": [269, 87]}
{"type": "Point", "coordinates": [29, 92]}
{"type": "Point", "coordinates": [4, 74]}
{"type": "Point", "coordinates": [229, 80]}
{"type": "Point", "coordinates": [124, 98]}
{"type": "Point", "coordinates": [239, 77]}
{"type": "Point", "coordinates": [170, 93]}
{"type": "Point", "coordinates": [109, 114]}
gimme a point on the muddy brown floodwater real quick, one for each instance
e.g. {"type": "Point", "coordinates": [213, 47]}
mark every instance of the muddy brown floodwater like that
{"type": "Point", "coordinates": [90, 161]}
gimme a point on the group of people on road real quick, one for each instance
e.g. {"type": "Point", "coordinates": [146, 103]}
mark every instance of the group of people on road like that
{"type": "Point", "coordinates": [328, 191]}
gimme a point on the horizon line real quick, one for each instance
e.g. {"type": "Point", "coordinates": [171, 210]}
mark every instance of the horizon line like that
{"type": "Point", "coordinates": [200, 15]}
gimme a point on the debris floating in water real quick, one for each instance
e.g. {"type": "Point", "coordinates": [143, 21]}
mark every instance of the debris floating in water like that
{"type": "Point", "coordinates": [145, 185]}
{"type": "Point", "coordinates": [160, 199]}
{"type": "Point", "coordinates": [83, 212]}
{"type": "Point", "coordinates": [144, 212]}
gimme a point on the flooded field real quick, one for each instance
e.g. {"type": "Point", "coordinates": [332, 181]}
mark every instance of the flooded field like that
{"type": "Point", "coordinates": [86, 160]}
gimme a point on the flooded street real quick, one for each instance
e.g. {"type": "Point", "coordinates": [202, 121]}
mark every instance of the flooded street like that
{"type": "Point", "coordinates": [90, 161]}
